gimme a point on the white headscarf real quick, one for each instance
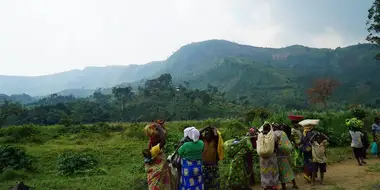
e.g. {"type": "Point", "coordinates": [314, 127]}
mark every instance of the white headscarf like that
{"type": "Point", "coordinates": [192, 133]}
{"type": "Point", "coordinates": [187, 130]}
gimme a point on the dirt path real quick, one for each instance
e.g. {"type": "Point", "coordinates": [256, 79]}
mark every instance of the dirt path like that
{"type": "Point", "coordinates": [344, 175]}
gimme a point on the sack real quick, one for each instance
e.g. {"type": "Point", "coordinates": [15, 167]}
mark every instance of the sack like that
{"type": "Point", "coordinates": [265, 144]}
{"type": "Point", "coordinates": [374, 149]}
{"type": "Point", "coordinates": [175, 160]}
{"type": "Point", "coordinates": [284, 144]}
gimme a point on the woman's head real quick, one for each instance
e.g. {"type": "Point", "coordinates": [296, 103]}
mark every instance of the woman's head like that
{"type": "Point", "coordinates": [377, 120]}
{"type": "Point", "coordinates": [266, 128]}
{"type": "Point", "coordinates": [192, 133]}
{"type": "Point", "coordinates": [277, 127]}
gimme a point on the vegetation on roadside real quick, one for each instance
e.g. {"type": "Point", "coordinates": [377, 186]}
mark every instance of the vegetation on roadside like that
{"type": "Point", "coordinates": [108, 155]}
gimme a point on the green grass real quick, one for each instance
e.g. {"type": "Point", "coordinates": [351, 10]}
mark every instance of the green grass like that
{"type": "Point", "coordinates": [118, 153]}
{"type": "Point", "coordinates": [374, 168]}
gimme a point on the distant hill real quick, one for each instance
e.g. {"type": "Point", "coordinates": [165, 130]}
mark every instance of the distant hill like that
{"type": "Point", "coordinates": [88, 78]}
{"type": "Point", "coordinates": [261, 75]}
{"type": "Point", "coordinates": [22, 98]}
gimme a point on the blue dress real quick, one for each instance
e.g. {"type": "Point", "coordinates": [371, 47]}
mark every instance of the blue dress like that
{"type": "Point", "coordinates": [191, 175]}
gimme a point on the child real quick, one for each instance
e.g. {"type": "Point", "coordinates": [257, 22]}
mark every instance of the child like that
{"type": "Point", "coordinates": [357, 145]}
{"type": "Point", "coordinates": [319, 144]}
{"type": "Point", "coordinates": [149, 155]}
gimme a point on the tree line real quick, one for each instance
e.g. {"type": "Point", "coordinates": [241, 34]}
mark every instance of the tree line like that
{"type": "Point", "coordinates": [158, 98]}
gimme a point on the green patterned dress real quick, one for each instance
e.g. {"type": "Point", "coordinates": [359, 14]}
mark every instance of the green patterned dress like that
{"type": "Point", "coordinates": [238, 175]}
{"type": "Point", "coordinates": [284, 166]}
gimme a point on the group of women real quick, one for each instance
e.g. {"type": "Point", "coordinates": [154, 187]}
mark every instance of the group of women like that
{"type": "Point", "coordinates": [200, 151]}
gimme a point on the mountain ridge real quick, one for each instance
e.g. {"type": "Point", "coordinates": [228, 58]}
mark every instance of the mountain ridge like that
{"type": "Point", "coordinates": [239, 70]}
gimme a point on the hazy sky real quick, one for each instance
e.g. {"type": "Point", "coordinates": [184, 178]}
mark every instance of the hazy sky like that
{"type": "Point", "coordinates": [47, 36]}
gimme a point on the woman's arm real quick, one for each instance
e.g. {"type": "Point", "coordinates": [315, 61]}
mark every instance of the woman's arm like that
{"type": "Point", "coordinates": [327, 138]}
{"type": "Point", "coordinates": [181, 150]}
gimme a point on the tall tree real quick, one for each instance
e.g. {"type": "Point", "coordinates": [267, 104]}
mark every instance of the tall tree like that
{"type": "Point", "coordinates": [373, 24]}
{"type": "Point", "coordinates": [123, 94]}
{"type": "Point", "coordinates": [7, 109]}
{"type": "Point", "coordinates": [322, 89]}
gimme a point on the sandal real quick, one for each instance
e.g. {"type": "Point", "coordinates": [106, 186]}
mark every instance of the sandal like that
{"type": "Point", "coordinates": [307, 178]}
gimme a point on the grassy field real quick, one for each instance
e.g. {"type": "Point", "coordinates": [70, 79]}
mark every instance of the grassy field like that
{"type": "Point", "coordinates": [117, 148]}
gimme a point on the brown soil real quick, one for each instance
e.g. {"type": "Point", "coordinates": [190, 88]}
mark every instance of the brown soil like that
{"type": "Point", "coordinates": [344, 175]}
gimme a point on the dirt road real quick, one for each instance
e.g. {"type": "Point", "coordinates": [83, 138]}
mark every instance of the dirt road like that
{"type": "Point", "coordinates": [345, 175]}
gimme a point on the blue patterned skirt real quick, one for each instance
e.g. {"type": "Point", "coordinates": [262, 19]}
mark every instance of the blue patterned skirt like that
{"type": "Point", "coordinates": [191, 175]}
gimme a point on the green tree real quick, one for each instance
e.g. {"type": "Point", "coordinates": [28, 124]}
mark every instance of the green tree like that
{"type": "Point", "coordinates": [123, 94]}
{"type": "Point", "coordinates": [8, 109]}
{"type": "Point", "coordinates": [373, 24]}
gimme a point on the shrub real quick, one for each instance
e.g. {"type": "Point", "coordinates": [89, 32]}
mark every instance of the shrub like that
{"type": "Point", "coordinates": [14, 158]}
{"type": "Point", "coordinates": [19, 134]}
{"type": "Point", "coordinates": [74, 163]}
{"type": "Point", "coordinates": [134, 131]}
{"type": "Point", "coordinates": [358, 112]}
{"type": "Point", "coordinates": [11, 174]}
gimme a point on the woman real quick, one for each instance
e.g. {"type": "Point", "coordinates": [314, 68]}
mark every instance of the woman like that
{"type": "Point", "coordinates": [376, 133]}
{"type": "Point", "coordinates": [285, 170]}
{"type": "Point", "coordinates": [252, 134]}
{"type": "Point", "coordinates": [191, 161]}
{"type": "Point", "coordinates": [159, 177]}
{"type": "Point", "coordinates": [238, 174]}
{"type": "Point", "coordinates": [268, 165]}
{"type": "Point", "coordinates": [295, 137]}
{"type": "Point", "coordinates": [306, 148]}
{"type": "Point", "coordinates": [212, 154]}
{"type": "Point", "coordinates": [355, 126]}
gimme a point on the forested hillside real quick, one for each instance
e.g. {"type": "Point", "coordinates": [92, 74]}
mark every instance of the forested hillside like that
{"type": "Point", "coordinates": [255, 75]}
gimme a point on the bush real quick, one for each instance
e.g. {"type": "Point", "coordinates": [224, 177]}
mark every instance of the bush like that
{"type": "Point", "coordinates": [11, 174]}
{"type": "Point", "coordinates": [134, 131]}
{"type": "Point", "coordinates": [19, 134]}
{"type": "Point", "coordinates": [358, 112]}
{"type": "Point", "coordinates": [73, 163]}
{"type": "Point", "coordinates": [94, 128]}
{"type": "Point", "coordinates": [14, 158]}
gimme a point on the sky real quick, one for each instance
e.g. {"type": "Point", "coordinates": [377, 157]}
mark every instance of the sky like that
{"type": "Point", "coordinates": [42, 37]}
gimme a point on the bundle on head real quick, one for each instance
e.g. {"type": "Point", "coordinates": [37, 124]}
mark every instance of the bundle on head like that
{"type": "Point", "coordinates": [354, 124]}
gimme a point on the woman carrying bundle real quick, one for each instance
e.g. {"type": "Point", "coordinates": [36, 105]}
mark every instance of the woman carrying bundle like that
{"type": "Point", "coordinates": [295, 137]}
{"type": "Point", "coordinates": [355, 126]}
{"type": "Point", "coordinates": [306, 146]}
{"type": "Point", "coordinates": [284, 150]}
{"type": "Point", "coordinates": [239, 176]}
{"type": "Point", "coordinates": [159, 177]}
{"type": "Point", "coordinates": [212, 154]}
{"type": "Point", "coordinates": [266, 148]}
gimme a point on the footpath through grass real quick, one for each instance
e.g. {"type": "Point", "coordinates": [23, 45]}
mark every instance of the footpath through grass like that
{"type": "Point", "coordinates": [116, 147]}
